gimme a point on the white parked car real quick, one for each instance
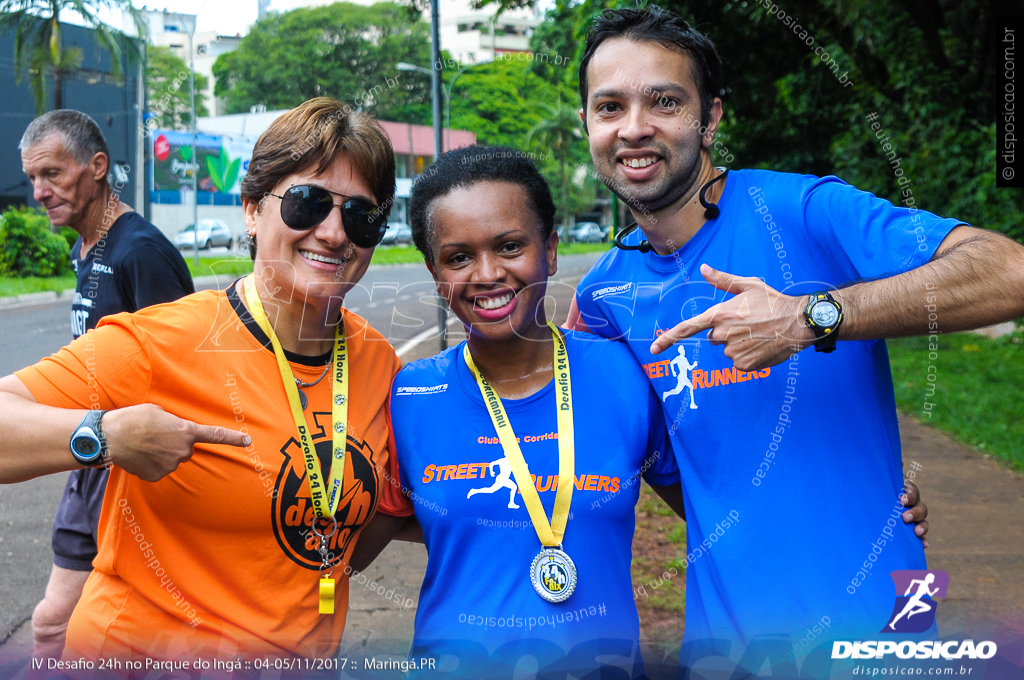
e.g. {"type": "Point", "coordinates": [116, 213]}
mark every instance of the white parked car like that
{"type": "Point", "coordinates": [588, 232]}
{"type": "Point", "coordinates": [212, 233]}
{"type": "Point", "coordinates": [398, 232]}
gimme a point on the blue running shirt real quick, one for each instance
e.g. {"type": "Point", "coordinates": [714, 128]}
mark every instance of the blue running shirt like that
{"type": "Point", "coordinates": [477, 603]}
{"type": "Point", "coordinates": [807, 453]}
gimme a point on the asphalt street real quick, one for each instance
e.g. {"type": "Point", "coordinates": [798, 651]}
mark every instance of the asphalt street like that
{"type": "Point", "coordinates": [397, 300]}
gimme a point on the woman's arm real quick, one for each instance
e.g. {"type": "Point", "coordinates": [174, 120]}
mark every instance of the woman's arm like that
{"type": "Point", "coordinates": [381, 530]}
{"type": "Point", "coordinates": [35, 438]}
{"type": "Point", "coordinates": [143, 440]}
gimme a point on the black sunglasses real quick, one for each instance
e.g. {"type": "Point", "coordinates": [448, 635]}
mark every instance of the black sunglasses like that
{"type": "Point", "coordinates": [305, 206]}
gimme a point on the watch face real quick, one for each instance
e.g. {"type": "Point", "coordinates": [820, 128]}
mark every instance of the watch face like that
{"type": "Point", "coordinates": [824, 314]}
{"type": "Point", "coordinates": [86, 447]}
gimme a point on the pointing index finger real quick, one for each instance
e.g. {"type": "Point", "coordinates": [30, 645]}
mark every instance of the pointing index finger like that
{"type": "Point", "coordinates": [209, 434]}
{"type": "Point", "coordinates": [683, 330]}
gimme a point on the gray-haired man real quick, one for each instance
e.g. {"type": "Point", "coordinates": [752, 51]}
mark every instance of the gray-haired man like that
{"type": "Point", "coordinates": [123, 264]}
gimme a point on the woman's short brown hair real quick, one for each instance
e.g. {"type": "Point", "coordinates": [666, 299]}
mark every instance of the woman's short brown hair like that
{"type": "Point", "coordinates": [312, 135]}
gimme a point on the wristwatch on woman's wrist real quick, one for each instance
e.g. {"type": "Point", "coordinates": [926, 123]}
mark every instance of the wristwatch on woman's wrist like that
{"type": "Point", "coordinates": [88, 444]}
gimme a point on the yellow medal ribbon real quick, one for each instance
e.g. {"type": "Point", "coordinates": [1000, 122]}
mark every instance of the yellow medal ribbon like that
{"type": "Point", "coordinates": [550, 534]}
{"type": "Point", "coordinates": [324, 494]}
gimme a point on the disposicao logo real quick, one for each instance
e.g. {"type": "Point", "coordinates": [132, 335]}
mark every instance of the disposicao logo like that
{"type": "Point", "coordinates": [916, 590]}
{"type": "Point", "coordinates": [914, 612]}
{"type": "Point", "coordinates": [908, 649]}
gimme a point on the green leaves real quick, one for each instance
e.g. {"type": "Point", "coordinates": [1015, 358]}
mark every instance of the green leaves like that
{"type": "Point", "coordinates": [340, 50]}
{"type": "Point", "coordinates": [28, 247]}
{"type": "Point", "coordinates": [223, 173]}
{"type": "Point", "coordinates": [167, 87]}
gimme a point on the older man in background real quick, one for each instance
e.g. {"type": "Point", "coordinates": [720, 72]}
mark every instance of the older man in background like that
{"type": "Point", "coordinates": [123, 263]}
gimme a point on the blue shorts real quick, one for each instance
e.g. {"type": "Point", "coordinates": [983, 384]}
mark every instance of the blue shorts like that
{"type": "Point", "coordinates": [78, 519]}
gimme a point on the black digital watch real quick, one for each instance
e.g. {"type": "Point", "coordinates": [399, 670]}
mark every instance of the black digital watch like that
{"type": "Point", "coordinates": [88, 444]}
{"type": "Point", "coordinates": [824, 316]}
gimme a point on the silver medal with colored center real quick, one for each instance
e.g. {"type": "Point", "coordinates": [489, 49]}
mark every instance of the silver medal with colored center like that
{"type": "Point", "coordinates": [553, 575]}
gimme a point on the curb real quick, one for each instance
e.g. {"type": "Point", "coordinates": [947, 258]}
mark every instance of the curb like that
{"type": "Point", "coordinates": [31, 299]}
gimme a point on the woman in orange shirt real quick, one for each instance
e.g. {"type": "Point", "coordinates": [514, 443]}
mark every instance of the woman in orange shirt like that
{"type": "Point", "coordinates": [234, 419]}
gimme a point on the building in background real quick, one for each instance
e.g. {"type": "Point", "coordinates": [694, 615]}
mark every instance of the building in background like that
{"type": "Point", "coordinates": [475, 35]}
{"type": "Point", "coordinates": [223, 151]}
{"type": "Point", "coordinates": [115, 104]}
{"type": "Point", "coordinates": [472, 35]}
{"type": "Point", "coordinates": [170, 29]}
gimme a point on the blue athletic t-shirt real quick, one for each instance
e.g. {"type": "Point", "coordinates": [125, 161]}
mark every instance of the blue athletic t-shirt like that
{"type": "Point", "coordinates": [806, 453]}
{"type": "Point", "coordinates": [477, 602]}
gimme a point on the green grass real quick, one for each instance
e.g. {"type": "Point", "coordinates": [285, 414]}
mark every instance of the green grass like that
{"type": "Point", "coordinates": [222, 265]}
{"type": "Point", "coordinates": [977, 396]}
{"type": "Point", "coordinates": [35, 284]}
{"type": "Point", "coordinates": [581, 248]}
{"type": "Point", "coordinates": [396, 255]}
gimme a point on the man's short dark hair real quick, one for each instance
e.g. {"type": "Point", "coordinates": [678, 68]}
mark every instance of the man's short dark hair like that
{"type": "Point", "coordinates": [668, 29]}
{"type": "Point", "coordinates": [81, 136]}
{"type": "Point", "coordinates": [468, 166]}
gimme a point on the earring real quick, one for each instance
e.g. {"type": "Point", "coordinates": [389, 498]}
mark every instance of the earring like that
{"type": "Point", "coordinates": [250, 237]}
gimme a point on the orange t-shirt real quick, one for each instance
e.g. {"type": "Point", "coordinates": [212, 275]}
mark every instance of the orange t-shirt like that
{"type": "Point", "coordinates": [216, 559]}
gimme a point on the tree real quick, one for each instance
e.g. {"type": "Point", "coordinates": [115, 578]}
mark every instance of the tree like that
{"type": "Point", "coordinates": [503, 101]}
{"type": "Point", "coordinates": [41, 63]}
{"type": "Point", "coordinates": [341, 50]}
{"type": "Point", "coordinates": [167, 88]}
{"type": "Point", "coordinates": [37, 39]}
{"type": "Point", "coordinates": [558, 130]}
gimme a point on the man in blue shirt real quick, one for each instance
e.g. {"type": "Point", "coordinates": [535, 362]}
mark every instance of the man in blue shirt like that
{"type": "Point", "coordinates": [122, 263]}
{"type": "Point", "coordinates": [768, 263]}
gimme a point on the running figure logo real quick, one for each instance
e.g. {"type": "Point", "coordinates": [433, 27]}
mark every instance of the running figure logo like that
{"type": "Point", "coordinates": [680, 366]}
{"type": "Point", "coordinates": [502, 480]}
{"type": "Point", "coordinates": [914, 611]}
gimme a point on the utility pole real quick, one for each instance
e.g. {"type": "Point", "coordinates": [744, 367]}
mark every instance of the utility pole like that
{"type": "Point", "coordinates": [195, 151]}
{"type": "Point", "coordinates": [435, 88]}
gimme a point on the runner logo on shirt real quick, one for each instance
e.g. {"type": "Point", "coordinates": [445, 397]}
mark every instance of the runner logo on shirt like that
{"type": "Point", "coordinates": [502, 480]}
{"type": "Point", "coordinates": [292, 508]}
{"type": "Point", "coordinates": [680, 367]}
{"type": "Point", "coordinates": [914, 611]}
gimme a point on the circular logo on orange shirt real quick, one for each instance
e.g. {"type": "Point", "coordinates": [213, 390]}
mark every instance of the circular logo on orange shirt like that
{"type": "Point", "coordinates": [292, 508]}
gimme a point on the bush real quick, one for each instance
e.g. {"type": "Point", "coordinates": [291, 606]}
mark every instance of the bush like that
{"type": "Point", "coordinates": [28, 247]}
{"type": "Point", "coordinates": [69, 235]}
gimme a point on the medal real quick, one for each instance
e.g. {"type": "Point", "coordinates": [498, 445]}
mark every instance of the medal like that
{"type": "Point", "coordinates": [552, 573]}
{"type": "Point", "coordinates": [324, 494]}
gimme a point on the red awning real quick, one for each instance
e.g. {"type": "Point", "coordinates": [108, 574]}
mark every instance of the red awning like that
{"type": "Point", "coordinates": [419, 139]}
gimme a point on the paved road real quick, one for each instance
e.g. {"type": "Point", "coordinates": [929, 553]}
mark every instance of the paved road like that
{"type": "Point", "coordinates": [397, 300]}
